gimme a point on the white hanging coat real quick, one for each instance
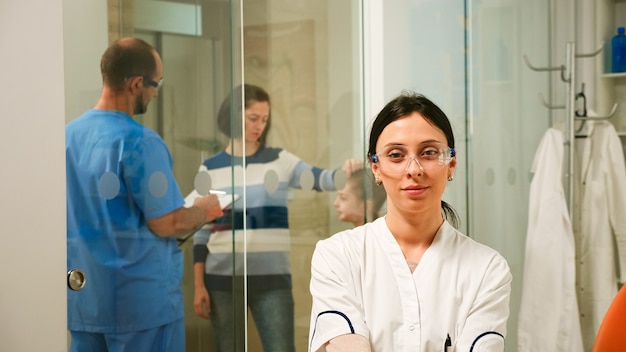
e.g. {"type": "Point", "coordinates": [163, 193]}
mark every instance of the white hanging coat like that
{"type": "Point", "coordinates": [600, 204]}
{"type": "Point", "coordinates": [548, 316]}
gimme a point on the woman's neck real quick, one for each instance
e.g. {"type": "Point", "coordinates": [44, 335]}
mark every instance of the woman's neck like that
{"type": "Point", "coordinates": [236, 148]}
{"type": "Point", "coordinates": [418, 230]}
{"type": "Point", "coordinates": [414, 234]}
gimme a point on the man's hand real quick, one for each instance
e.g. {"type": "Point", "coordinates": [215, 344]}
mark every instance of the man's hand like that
{"type": "Point", "coordinates": [211, 206]}
{"type": "Point", "coordinates": [183, 220]}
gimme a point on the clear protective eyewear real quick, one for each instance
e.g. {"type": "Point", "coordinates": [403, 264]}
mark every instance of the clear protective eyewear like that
{"type": "Point", "coordinates": [150, 81]}
{"type": "Point", "coordinates": [396, 159]}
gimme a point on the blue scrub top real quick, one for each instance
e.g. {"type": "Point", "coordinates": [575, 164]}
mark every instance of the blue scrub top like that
{"type": "Point", "coordinates": [119, 174]}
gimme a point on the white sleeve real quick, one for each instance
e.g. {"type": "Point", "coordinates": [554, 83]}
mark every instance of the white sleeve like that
{"type": "Point", "coordinates": [485, 327]}
{"type": "Point", "coordinates": [616, 198]}
{"type": "Point", "coordinates": [336, 308]}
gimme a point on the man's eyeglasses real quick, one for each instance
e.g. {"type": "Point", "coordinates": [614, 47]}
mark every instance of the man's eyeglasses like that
{"type": "Point", "coordinates": [156, 85]}
{"type": "Point", "coordinates": [149, 81]}
{"type": "Point", "coordinates": [396, 159]}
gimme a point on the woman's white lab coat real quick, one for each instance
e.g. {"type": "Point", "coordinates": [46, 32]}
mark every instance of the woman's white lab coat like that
{"type": "Point", "coordinates": [600, 204]}
{"type": "Point", "coordinates": [458, 296]}
{"type": "Point", "coordinates": [548, 316]}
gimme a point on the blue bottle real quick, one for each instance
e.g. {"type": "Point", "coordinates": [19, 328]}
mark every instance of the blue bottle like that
{"type": "Point", "coordinates": [618, 44]}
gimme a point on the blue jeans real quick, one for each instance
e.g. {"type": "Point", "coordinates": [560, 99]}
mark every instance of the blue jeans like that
{"type": "Point", "coordinates": [273, 314]}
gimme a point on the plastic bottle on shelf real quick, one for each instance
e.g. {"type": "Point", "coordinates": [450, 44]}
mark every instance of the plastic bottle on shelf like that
{"type": "Point", "coordinates": [618, 44]}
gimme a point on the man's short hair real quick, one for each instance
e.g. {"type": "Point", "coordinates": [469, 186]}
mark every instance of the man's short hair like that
{"type": "Point", "coordinates": [126, 58]}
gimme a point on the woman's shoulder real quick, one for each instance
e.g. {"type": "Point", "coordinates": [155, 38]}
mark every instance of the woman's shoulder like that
{"type": "Point", "coordinates": [267, 154]}
{"type": "Point", "coordinates": [470, 246]}
{"type": "Point", "coordinates": [343, 251]}
{"type": "Point", "coordinates": [217, 160]}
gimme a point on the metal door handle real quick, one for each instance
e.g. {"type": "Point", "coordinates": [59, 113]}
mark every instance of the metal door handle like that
{"type": "Point", "coordinates": [76, 279]}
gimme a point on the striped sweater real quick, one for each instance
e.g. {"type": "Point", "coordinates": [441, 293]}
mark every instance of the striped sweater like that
{"type": "Point", "coordinates": [261, 229]}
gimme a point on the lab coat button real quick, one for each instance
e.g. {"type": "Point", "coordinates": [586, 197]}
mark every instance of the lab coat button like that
{"type": "Point", "coordinates": [411, 327]}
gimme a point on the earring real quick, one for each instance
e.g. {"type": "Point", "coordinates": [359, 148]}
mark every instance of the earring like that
{"type": "Point", "coordinates": [378, 181]}
{"type": "Point", "coordinates": [450, 178]}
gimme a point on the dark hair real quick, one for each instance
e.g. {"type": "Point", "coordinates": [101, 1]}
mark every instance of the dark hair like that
{"type": "Point", "coordinates": [229, 114]}
{"type": "Point", "coordinates": [125, 58]}
{"type": "Point", "coordinates": [404, 105]}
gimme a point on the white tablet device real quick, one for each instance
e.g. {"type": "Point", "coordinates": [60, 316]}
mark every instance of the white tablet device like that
{"type": "Point", "coordinates": [226, 199]}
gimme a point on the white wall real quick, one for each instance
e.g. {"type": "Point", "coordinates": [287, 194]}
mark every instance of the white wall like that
{"type": "Point", "coordinates": [32, 180]}
{"type": "Point", "coordinates": [50, 71]}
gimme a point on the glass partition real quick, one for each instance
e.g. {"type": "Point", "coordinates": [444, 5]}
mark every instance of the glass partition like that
{"type": "Point", "coordinates": [306, 56]}
{"type": "Point", "coordinates": [507, 120]}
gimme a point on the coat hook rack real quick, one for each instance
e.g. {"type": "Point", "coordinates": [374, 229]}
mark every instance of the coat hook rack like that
{"type": "Point", "coordinates": [548, 105]}
{"type": "Point", "coordinates": [592, 54]}
{"type": "Point", "coordinates": [599, 117]}
{"type": "Point", "coordinates": [544, 69]}
{"type": "Point", "coordinates": [568, 74]}
{"type": "Point", "coordinates": [586, 116]}
{"type": "Point", "coordinates": [581, 95]}
{"type": "Point", "coordinates": [553, 68]}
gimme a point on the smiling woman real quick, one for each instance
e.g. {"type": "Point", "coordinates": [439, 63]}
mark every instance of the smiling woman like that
{"type": "Point", "coordinates": [412, 128]}
{"type": "Point", "coordinates": [412, 259]}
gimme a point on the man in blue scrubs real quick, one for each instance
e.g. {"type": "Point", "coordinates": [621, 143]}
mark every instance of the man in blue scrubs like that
{"type": "Point", "coordinates": [124, 213]}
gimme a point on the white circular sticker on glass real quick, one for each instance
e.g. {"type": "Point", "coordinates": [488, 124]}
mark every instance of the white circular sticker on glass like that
{"type": "Point", "coordinates": [109, 185]}
{"type": "Point", "coordinates": [339, 179]}
{"type": "Point", "coordinates": [202, 182]}
{"type": "Point", "coordinates": [157, 184]}
{"type": "Point", "coordinates": [307, 180]}
{"type": "Point", "coordinates": [271, 181]}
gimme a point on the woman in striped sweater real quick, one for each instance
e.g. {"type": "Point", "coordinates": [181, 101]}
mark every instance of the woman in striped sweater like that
{"type": "Point", "coordinates": [221, 251]}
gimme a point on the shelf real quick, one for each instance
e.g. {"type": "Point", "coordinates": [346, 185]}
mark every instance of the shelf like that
{"type": "Point", "coordinates": [614, 75]}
